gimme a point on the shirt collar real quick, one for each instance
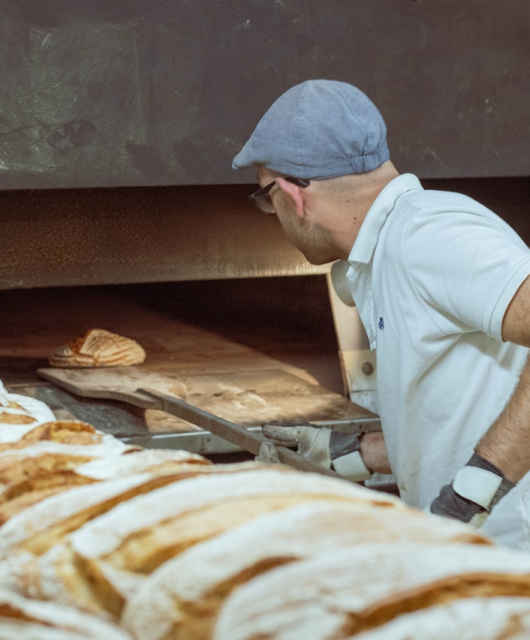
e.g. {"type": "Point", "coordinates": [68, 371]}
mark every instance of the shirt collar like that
{"type": "Point", "coordinates": [366, 241]}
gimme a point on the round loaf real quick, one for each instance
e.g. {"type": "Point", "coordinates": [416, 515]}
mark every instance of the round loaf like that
{"type": "Point", "coordinates": [48, 621]}
{"type": "Point", "coordinates": [98, 348]}
{"type": "Point", "coordinates": [117, 550]}
{"type": "Point", "coordinates": [336, 595]}
{"type": "Point", "coordinates": [182, 597]}
{"type": "Point", "coordinates": [468, 619]}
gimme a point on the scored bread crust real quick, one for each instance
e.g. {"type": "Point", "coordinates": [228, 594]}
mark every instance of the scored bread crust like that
{"type": "Point", "coordinates": [45, 524]}
{"type": "Point", "coordinates": [18, 611]}
{"type": "Point", "coordinates": [140, 534]}
{"type": "Point", "coordinates": [19, 412]}
{"type": "Point", "coordinates": [64, 431]}
{"type": "Point", "coordinates": [13, 629]}
{"type": "Point", "coordinates": [44, 468]}
{"type": "Point", "coordinates": [140, 462]}
{"type": "Point", "coordinates": [469, 619]}
{"type": "Point", "coordinates": [98, 348]}
{"type": "Point", "coordinates": [105, 537]}
{"type": "Point", "coordinates": [109, 447]}
{"type": "Point", "coordinates": [18, 496]}
{"type": "Point", "coordinates": [180, 599]}
{"type": "Point", "coordinates": [336, 595]}
{"type": "Point", "coordinates": [17, 468]}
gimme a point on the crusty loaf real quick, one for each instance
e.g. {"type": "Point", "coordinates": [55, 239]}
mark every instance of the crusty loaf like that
{"type": "Point", "coordinates": [17, 572]}
{"type": "Point", "coordinates": [148, 460]}
{"type": "Point", "coordinates": [110, 446]}
{"type": "Point", "coordinates": [18, 496]}
{"type": "Point", "coordinates": [18, 467]}
{"type": "Point", "coordinates": [468, 619]}
{"type": "Point", "coordinates": [134, 538]}
{"type": "Point", "coordinates": [21, 618]}
{"type": "Point", "coordinates": [19, 412]}
{"type": "Point", "coordinates": [45, 524]}
{"type": "Point", "coordinates": [181, 598]}
{"type": "Point", "coordinates": [44, 468]}
{"type": "Point", "coordinates": [64, 431]}
{"type": "Point", "coordinates": [98, 348]}
{"type": "Point", "coordinates": [338, 594]}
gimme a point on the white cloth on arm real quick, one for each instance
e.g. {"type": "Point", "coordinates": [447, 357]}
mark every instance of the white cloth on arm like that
{"type": "Point", "coordinates": [432, 274]}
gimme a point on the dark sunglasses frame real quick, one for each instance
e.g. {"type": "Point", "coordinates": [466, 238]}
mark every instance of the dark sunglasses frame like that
{"type": "Point", "coordinates": [262, 199]}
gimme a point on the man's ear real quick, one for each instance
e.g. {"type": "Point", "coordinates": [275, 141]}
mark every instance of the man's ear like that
{"type": "Point", "coordinates": [296, 194]}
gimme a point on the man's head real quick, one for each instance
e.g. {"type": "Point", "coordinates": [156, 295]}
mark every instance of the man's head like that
{"type": "Point", "coordinates": [331, 138]}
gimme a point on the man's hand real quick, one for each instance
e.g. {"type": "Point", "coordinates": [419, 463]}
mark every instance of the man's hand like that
{"type": "Point", "coordinates": [476, 489]}
{"type": "Point", "coordinates": [331, 449]}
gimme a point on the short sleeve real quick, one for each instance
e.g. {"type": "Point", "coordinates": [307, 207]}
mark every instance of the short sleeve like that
{"type": "Point", "coordinates": [466, 265]}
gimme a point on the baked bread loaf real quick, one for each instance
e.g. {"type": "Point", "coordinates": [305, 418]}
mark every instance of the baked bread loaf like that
{"type": "Point", "coordinates": [182, 597]}
{"type": "Point", "coordinates": [63, 431]}
{"type": "Point", "coordinates": [114, 552]}
{"type": "Point", "coordinates": [18, 411]}
{"type": "Point", "coordinates": [336, 595]}
{"type": "Point", "coordinates": [45, 524]}
{"type": "Point", "coordinates": [21, 618]}
{"type": "Point", "coordinates": [469, 619]}
{"type": "Point", "coordinates": [98, 348]}
{"type": "Point", "coordinates": [29, 475]}
{"type": "Point", "coordinates": [148, 460]}
{"type": "Point", "coordinates": [20, 495]}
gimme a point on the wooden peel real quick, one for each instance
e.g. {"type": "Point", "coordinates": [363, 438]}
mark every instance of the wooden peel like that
{"type": "Point", "coordinates": [114, 383]}
{"type": "Point", "coordinates": [247, 440]}
{"type": "Point", "coordinates": [145, 389]}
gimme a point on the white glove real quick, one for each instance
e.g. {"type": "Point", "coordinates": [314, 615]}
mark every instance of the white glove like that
{"type": "Point", "coordinates": [330, 449]}
{"type": "Point", "coordinates": [476, 489]}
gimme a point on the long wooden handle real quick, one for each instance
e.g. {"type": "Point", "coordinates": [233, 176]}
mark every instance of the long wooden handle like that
{"type": "Point", "coordinates": [247, 440]}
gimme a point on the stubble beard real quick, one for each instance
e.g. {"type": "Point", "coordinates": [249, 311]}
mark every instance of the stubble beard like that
{"type": "Point", "coordinates": [313, 240]}
{"type": "Point", "coordinates": [318, 245]}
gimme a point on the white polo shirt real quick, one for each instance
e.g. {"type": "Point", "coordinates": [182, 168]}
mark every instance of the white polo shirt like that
{"type": "Point", "coordinates": [432, 274]}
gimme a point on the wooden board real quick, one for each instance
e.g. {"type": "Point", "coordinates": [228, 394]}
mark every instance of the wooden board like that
{"type": "Point", "coordinates": [244, 398]}
{"type": "Point", "coordinates": [114, 383]}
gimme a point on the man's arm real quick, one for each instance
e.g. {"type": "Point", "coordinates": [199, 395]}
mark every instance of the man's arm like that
{"type": "Point", "coordinates": [373, 452]}
{"type": "Point", "coordinates": [506, 443]}
{"type": "Point", "coordinates": [503, 453]}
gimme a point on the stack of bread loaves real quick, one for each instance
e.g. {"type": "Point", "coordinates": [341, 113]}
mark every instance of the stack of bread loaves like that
{"type": "Point", "coordinates": [103, 540]}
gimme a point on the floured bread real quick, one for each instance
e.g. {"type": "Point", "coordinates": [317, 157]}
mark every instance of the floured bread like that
{"type": "Point", "coordinates": [468, 619]}
{"type": "Point", "coordinates": [19, 411]}
{"type": "Point", "coordinates": [21, 618]}
{"type": "Point", "coordinates": [117, 550]}
{"type": "Point", "coordinates": [29, 475]}
{"type": "Point", "coordinates": [16, 571]}
{"type": "Point", "coordinates": [15, 417]}
{"type": "Point", "coordinates": [336, 595]}
{"type": "Point", "coordinates": [98, 348]}
{"type": "Point", "coordinates": [181, 598]}
{"type": "Point", "coordinates": [17, 465]}
{"type": "Point", "coordinates": [16, 468]}
{"type": "Point", "coordinates": [18, 496]}
{"type": "Point", "coordinates": [64, 431]}
{"type": "Point", "coordinates": [45, 524]}
{"type": "Point", "coordinates": [109, 447]}
{"type": "Point", "coordinates": [149, 460]}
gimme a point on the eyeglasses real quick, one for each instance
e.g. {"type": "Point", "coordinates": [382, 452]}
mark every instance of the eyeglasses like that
{"type": "Point", "coordinates": [262, 199]}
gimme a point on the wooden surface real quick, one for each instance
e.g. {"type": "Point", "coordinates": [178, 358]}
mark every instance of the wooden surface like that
{"type": "Point", "coordinates": [243, 397]}
{"type": "Point", "coordinates": [114, 383]}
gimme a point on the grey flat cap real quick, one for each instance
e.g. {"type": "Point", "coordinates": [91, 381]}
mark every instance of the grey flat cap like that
{"type": "Point", "coordinates": [318, 129]}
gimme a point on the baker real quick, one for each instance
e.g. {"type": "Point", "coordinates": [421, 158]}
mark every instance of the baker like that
{"type": "Point", "coordinates": [441, 285]}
